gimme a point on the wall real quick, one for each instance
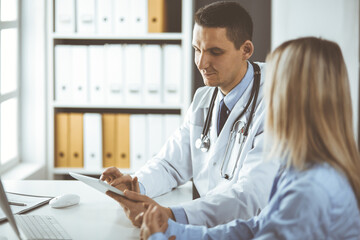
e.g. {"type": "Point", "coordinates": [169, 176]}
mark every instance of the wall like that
{"type": "Point", "coordinates": [335, 20]}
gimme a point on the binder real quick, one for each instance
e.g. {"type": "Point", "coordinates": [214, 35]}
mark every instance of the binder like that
{"type": "Point", "coordinates": [122, 17]}
{"type": "Point", "coordinates": [92, 141]}
{"type": "Point", "coordinates": [122, 138]}
{"type": "Point", "coordinates": [63, 67]}
{"type": "Point", "coordinates": [108, 131]}
{"type": "Point", "coordinates": [76, 158]}
{"type": "Point", "coordinates": [61, 140]}
{"type": "Point", "coordinates": [138, 141]}
{"type": "Point", "coordinates": [171, 123]}
{"type": "Point", "coordinates": [65, 16]}
{"type": "Point", "coordinates": [152, 74]}
{"type": "Point", "coordinates": [104, 16]}
{"type": "Point", "coordinates": [157, 16]}
{"type": "Point", "coordinates": [85, 16]}
{"type": "Point", "coordinates": [155, 134]}
{"type": "Point", "coordinates": [133, 74]}
{"type": "Point", "coordinates": [97, 74]}
{"type": "Point", "coordinates": [172, 73]}
{"type": "Point", "coordinates": [79, 79]}
{"type": "Point", "coordinates": [138, 16]}
{"type": "Point", "coordinates": [114, 70]}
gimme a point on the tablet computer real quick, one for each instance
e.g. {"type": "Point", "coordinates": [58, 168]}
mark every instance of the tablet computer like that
{"type": "Point", "coordinates": [96, 183]}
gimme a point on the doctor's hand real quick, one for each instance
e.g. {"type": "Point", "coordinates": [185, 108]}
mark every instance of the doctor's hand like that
{"type": "Point", "coordinates": [134, 204]}
{"type": "Point", "coordinates": [154, 220]}
{"type": "Point", "coordinates": [119, 180]}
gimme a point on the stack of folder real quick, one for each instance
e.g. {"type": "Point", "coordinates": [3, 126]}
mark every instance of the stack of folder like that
{"type": "Point", "coordinates": [94, 141]}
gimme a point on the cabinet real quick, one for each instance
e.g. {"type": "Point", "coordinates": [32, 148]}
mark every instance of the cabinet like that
{"type": "Point", "coordinates": [126, 75]}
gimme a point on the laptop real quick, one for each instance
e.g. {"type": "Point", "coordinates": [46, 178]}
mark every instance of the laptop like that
{"type": "Point", "coordinates": [31, 226]}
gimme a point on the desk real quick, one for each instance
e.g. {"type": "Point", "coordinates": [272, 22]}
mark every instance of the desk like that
{"type": "Point", "coordinates": [97, 216]}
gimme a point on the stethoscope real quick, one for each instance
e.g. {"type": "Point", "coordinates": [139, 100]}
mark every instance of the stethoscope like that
{"type": "Point", "coordinates": [203, 143]}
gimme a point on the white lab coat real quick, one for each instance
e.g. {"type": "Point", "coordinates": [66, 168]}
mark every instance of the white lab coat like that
{"type": "Point", "coordinates": [221, 200]}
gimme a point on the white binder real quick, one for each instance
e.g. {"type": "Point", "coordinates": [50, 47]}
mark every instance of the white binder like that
{"type": "Point", "coordinates": [133, 74]}
{"type": "Point", "coordinates": [65, 16]}
{"type": "Point", "coordinates": [171, 123]}
{"type": "Point", "coordinates": [92, 141]}
{"type": "Point", "coordinates": [152, 74]}
{"type": "Point", "coordinates": [85, 16]}
{"type": "Point", "coordinates": [63, 73]}
{"type": "Point", "coordinates": [104, 16]}
{"type": "Point", "coordinates": [155, 136]}
{"type": "Point", "coordinates": [172, 73]}
{"type": "Point", "coordinates": [79, 79]}
{"type": "Point", "coordinates": [97, 74]}
{"type": "Point", "coordinates": [138, 141]}
{"type": "Point", "coordinates": [122, 17]}
{"type": "Point", "coordinates": [114, 74]}
{"type": "Point", "coordinates": [138, 16]}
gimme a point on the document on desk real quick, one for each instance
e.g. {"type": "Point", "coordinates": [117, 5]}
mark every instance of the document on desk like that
{"type": "Point", "coordinates": [21, 203]}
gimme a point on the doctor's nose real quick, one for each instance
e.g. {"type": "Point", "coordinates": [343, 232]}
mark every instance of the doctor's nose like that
{"type": "Point", "coordinates": [201, 61]}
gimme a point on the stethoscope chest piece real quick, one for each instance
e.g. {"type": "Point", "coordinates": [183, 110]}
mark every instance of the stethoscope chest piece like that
{"type": "Point", "coordinates": [203, 143]}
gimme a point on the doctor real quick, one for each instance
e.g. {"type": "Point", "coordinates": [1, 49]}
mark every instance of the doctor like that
{"type": "Point", "coordinates": [227, 169]}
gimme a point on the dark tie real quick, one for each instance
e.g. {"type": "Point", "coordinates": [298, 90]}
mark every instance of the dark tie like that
{"type": "Point", "coordinates": [223, 115]}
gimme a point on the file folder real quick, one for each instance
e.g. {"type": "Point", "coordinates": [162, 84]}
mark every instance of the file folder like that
{"type": "Point", "coordinates": [76, 158]}
{"type": "Point", "coordinates": [61, 140]}
{"type": "Point", "coordinates": [133, 74]}
{"type": "Point", "coordinates": [172, 73]}
{"type": "Point", "coordinates": [122, 17]}
{"type": "Point", "coordinates": [108, 139]}
{"type": "Point", "coordinates": [63, 67]}
{"type": "Point", "coordinates": [104, 16]}
{"type": "Point", "coordinates": [97, 73]}
{"type": "Point", "coordinates": [79, 79]}
{"type": "Point", "coordinates": [138, 141]}
{"type": "Point", "coordinates": [138, 16]}
{"type": "Point", "coordinates": [152, 74]}
{"type": "Point", "coordinates": [65, 16]}
{"type": "Point", "coordinates": [114, 74]}
{"type": "Point", "coordinates": [171, 123]}
{"type": "Point", "coordinates": [157, 16]}
{"type": "Point", "coordinates": [92, 141]}
{"type": "Point", "coordinates": [85, 16]}
{"type": "Point", "coordinates": [122, 138]}
{"type": "Point", "coordinates": [155, 136]}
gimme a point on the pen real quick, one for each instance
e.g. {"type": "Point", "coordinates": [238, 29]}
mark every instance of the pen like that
{"type": "Point", "coordinates": [17, 204]}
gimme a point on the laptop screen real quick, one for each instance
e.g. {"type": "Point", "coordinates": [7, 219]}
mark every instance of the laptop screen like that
{"type": "Point", "coordinates": [4, 204]}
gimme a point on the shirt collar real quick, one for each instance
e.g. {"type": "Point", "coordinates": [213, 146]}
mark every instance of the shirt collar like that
{"type": "Point", "coordinates": [235, 94]}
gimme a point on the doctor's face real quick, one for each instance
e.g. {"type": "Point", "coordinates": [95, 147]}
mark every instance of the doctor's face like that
{"type": "Point", "coordinates": [217, 59]}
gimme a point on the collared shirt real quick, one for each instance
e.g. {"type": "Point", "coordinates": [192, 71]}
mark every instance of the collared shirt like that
{"type": "Point", "coordinates": [230, 101]}
{"type": "Point", "coordinates": [314, 204]}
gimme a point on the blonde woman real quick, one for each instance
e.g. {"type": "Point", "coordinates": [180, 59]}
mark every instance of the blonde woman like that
{"type": "Point", "coordinates": [316, 194]}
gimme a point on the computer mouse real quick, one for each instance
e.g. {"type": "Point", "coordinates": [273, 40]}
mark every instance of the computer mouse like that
{"type": "Point", "coordinates": [64, 201]}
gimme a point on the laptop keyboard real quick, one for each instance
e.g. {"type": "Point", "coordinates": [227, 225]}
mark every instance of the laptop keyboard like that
{"type": "Point", "coordinates": [40, 227]}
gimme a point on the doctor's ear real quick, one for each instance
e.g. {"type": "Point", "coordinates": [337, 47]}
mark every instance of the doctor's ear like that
{"type": "Point", "coordinates": [247, 49]}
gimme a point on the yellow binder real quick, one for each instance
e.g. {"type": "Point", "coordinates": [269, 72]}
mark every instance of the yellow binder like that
{"type": "Point", "coordinates": [156, 16]}
{"type": "Point", "coordinates": [76, 133]}
{"type": "Point", "coordinates": [122, 140]}
{"type": "Point", "coordinates": [108, 121]}
{"type": "Point", "coordinates": [61, 139]}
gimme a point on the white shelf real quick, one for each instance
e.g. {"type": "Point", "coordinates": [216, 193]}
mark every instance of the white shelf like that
{"type": "Point", "coordinates": [116, 106]}
{"type": "Point", "coordinates": [63, 171]}
{"type": "Point", "coordinates": [149, 36]}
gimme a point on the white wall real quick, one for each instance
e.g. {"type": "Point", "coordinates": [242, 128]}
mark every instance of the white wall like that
{"type": "Point", "coordinates": [33, 84]}
{"type": "Point", "coordinates": [336, 20]}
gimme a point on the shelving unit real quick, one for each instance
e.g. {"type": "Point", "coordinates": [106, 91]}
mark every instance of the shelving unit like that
{"type": "Point", "coordinates": [183, 38]}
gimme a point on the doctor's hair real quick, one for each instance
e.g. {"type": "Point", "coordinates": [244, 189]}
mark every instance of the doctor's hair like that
{"type": "Point", "coordinates": [229, 15]}
{"type": "Point", "coordinates": [309, 111]}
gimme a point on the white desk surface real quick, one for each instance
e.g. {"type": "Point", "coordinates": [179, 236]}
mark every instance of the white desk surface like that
{"type": "Point", "coordinates": [97, 216]}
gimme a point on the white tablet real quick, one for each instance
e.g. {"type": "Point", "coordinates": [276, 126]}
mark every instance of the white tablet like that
{"type": "Point", "coordinates": [97, 183]}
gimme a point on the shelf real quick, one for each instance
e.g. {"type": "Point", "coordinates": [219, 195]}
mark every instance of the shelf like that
{"type": "Point", "coordinates": [63, 171]}
{"type": "Point", "coordinates": [149, 36]}
{"type": "Point", "coordinates": [116, 106]}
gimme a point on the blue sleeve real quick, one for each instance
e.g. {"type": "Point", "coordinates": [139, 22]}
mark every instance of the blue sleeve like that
{"type": "Point", "coordinates": [179, 214]}
{"type": "Point", "coordinates": [142, 188]}
{"type": "Point", "coordinates": [157, 236]}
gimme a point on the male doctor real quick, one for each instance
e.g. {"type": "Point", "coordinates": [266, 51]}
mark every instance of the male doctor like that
{"type": "Point", "coordinates": [237, 187]}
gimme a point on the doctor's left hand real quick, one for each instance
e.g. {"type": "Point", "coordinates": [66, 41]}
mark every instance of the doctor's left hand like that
{"type": "Point", "coordinates": [134, 205]}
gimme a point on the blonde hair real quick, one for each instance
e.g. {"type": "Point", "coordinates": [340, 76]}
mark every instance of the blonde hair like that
{"type": "Point", "coordinates": [309, 111]}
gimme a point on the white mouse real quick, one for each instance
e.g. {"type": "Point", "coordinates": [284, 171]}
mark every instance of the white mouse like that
{"type": "Point", "coordinates": [64, 201]}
